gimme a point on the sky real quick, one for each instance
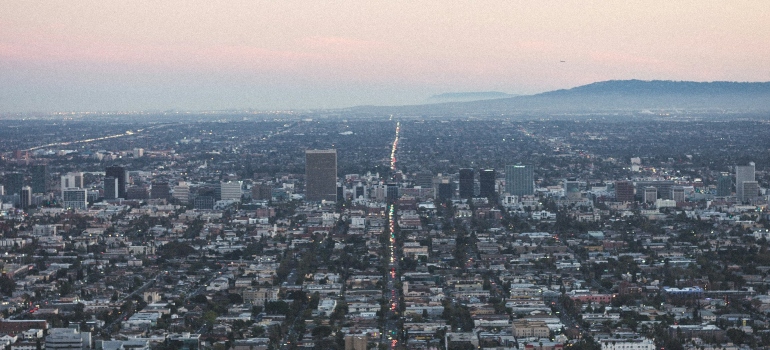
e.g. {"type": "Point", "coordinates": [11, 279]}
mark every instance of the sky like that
{"type": "Point", "coordinates": [105, 55]}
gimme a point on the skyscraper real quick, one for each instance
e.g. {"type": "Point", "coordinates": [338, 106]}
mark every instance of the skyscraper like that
{"type": "Point", "coordinates": [71, 180]}
{"type": "Point", "coordinates": [391, 191]}
{"type": "Point", "coordinates": [119, 173]}
{"type": "Point", "coordinates": [572, 189]}
{"type": "Point", "coordinates": [39, 178]}
{"type": "Point", "coordinates": [624, 191]}
{"type": "Point", "coordinates": [466, 183]}
{"type": "Point", "coordinates": [750, 190]}
{"type": "Point", "coordinates": [160, 190]}
{"type": "Point", "coordinates": [26, 197]}
{"type": "Point", "coordinates": [13, 183]}
{"type": "Point", "coordinates": [650, 194]}
{"type": "Point", "coordinates": [110, 188]}
{"type": "Point", "coordinates": [724, 185]}
{"type": "Point", "coordinates": [487, 183]}
{"type": "Point", "coordinates": [743, 173]}
{"type": "Point", "coordinates": [321, 175]}
{"type": "Point", "coordinates": [75, 198]}
{"type": "Point", "coordinates": [519, 180]}
{"type": "Point", "coordinates": [182, 192]}
{"type": "Point", "coordinates": [230, 190]}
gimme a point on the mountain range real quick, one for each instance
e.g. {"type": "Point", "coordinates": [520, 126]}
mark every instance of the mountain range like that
{"type": "Point", "coordinates": [610, 96]}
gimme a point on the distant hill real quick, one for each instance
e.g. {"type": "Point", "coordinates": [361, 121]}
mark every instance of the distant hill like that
{"type": "Point", "coordinates": [611, 96]}
{"type": "Point", "coordinates": [468, 96]}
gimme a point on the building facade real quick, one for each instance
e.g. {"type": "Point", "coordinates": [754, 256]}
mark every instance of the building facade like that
{"type": "Point", "coordinates": [321, 175]}
{"type": "Point", "coordinates": [743, 173]}
{"type": "Point", "coordinates": [519, 180]}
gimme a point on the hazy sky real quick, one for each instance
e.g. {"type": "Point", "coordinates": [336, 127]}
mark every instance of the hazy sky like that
{"type": "Point", "coordinates": [200, 55]}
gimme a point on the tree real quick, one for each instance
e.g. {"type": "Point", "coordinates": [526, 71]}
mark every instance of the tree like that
{"type": "Point", "coordinates": [7, 285]}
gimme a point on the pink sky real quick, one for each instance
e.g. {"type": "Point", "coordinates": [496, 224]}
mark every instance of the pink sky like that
{"type": "Point", "coordinates": [109, 55]}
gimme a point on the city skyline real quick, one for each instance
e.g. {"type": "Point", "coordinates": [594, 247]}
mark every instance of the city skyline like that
{"type": "Point", "coordinates": [93, 56]}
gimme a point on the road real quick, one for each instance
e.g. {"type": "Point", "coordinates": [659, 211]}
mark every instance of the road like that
{"type": "Point", "coordinates": [392, 330]}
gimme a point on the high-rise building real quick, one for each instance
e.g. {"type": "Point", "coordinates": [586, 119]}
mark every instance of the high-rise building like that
{"type": "Point", "coordinates": [13, 183]}
{"type": "Point", "coordinates": [572, 189]}
{"type": "Point", "coordinates": [110, 188]}
{"type": "Point", "coordinates": [39, 178]}
{"type": "Point", "coordinates": [261, 192]}
{"type": "Point", "coordinates": [424, 179]}
{"type": "Point", "coordinates": [360, 191]}
{"type": "Point", "coordinates": [677, 194]}
{"type": "Point", "coordinates": [743, 173]}
{"type": "Point", "coordinates": [182, 192]}
{"type": "Point", "coordinates": [71, 180]}
{"type": "Point", "coordinates": [204, 202]}
{"type": "Point", "coordinates": [663, 187]}
{"type": "Point", "coordinates": [321, 175]}
{"type": "Point", "coordinates": [487, 183]}
{"type": "Point", "coordinates": [119, 173]}
{"type": "Point", "coordinates": [230, 190]}
{"type": "Point", "coordinates": [519, 180]}
{"type": "Point", "coordinates": [650, 194]}
{"type": "Point", "coordinates": [160, 190]}
{"type": "Point", "coordinates": [750, 190]}
{"type": "Point", "coordinates": [75, 198]}
{"type": "Point", "coordinates": [624, 191]}
{"type": "Point", "coordinates": [466, 183]}
{"type": "Point", "coordinates": [137, 192]}
{"type": "Point", "coordinates": [25, 198]}
{"type": "Point", "coordinates": [391, 192]}
{"type": "Point", "coordinates": [724, 185]}
{"type": "Point", "coordinates": [444, 191]}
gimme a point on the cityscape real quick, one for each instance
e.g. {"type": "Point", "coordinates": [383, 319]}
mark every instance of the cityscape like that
{"type": "Point", "coordinates": [316, 231]}
{"type": "Point", "coordinates": [359, 175]}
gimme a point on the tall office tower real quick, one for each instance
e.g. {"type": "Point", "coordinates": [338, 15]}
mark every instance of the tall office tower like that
{"type": "Point", "coordinates": [182, 192]}
{"type": "Point", "coordinates": [72, 180]}
{"type": "Point", "coordinates": [75, 198]}
{"type": "Point", "coordinates": [624, 191]}
{"type": "Point", "coordinates": [444, 191]}
{"type": "Point", "coordinates": [13, 183]}
{"type": "Point", "coordinates": [664, 187]}
{"type": "Point", "coordinates": [750, 190]}
{"type": "Point", "coordinates": [321, 175]}
{"type": "Point", "coordinates": [230, 190]}
{"type": "Point", "coordinates": [26, 197]}
{"type": "Point", "coordinates": [424, 179]}
{"type": "Point", "coordinates": [160, 190]}
{"type": "Point", "coordinates": [261, 191]}
{"type": "Point", "coordinates": [650, 194]}
{"type": "Point", "coordinates": [110, 188]}
{"type": "Point", "coordinates": [743, 173]}
{"type": "Point", "coordinates": [119, 173]}
{"type": "Point", "coordinates": [2, 190]}
{"type": "Point", "coordinates": [391, 192]}
{"type": "Point", "coordinates": [519, 180]}
{"type": "Point", "coordinates": [572, 189]}
{"type": "Point", "coordinates": [39, 178]}
{"type": "Point", "coordinates": [137, 192]}
{"type": "Point", "coordinates": [466, 183]}
{"type": "Point", "coordinates": [724, 185]}
{"type": "Point", "coordinates": [340, 192]}
{"type": "Point", "coordinates": [487, 183]}
{"type": "Point", "coordinates": [677, 193]}
{"type": "Point", "coordinates": [360, 191]}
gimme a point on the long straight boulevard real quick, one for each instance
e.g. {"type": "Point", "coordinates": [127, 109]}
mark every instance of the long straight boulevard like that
{"type": "Point", "coordinates": [392, 329]}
